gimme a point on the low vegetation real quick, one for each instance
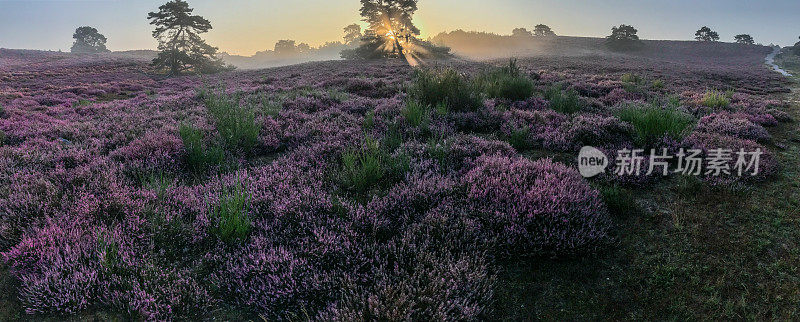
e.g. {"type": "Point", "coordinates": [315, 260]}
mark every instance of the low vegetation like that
{"type": "Point", "coordinates": [653, 122]}
{"type": "Point", "coordinates": [447, 87]}
{"type": "Point", "coordinates": [507, 82]}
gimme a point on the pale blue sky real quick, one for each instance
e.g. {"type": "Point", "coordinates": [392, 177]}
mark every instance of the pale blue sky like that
{"type": "Point", "coordinates": [247, 26]}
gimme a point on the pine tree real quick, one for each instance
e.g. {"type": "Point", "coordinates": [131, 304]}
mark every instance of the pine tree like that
{"type": "Point", "coordinates": [178, 34]}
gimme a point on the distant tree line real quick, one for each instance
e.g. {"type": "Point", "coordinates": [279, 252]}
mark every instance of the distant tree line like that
{"type": "Point", "coordinates": [390, 33]}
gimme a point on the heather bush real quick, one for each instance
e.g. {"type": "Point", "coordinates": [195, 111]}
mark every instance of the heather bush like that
{"type": "Point", "coordinates": [199, 156]}
{"type": "Point", "coordinates": [506, 82]}
{"type": "Point", "coordinates": [715, 99]}
{"type": "Point", "coordinates": [445, 86]}
{"type": "Point", "coordinates": [566, 102]}
{"type": "Point", "coordinates": [708, 142]}
{"type": "Point", "coordinates": [437, 269]}
{"type": "Point", "coordinates": [236, 124]}
{"type": "Point", "coordinates": [231, 213]}
{"type": "Point", "coordinates": [651, 123]}
{"type": "Point", "coordinates": [582, 130]}
{"type": "Point", "coordinates": [730, 125]}
{"type": "Point", "coordinates": [537, 207]}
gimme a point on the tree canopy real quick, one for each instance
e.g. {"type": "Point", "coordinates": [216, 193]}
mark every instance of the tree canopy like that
{"type": "Point", "coordinates": [178, 34]}
{"type": "Point", "coordinates": [744, 39]}
{"type": "Point", "coordinates": [88, 40]}
{"type": "Point", "coordinates": [543, 31]}
{"type": "Point", "coordinates": [706, 34]}
{"type": "Point", "coordinates": [623, 37]}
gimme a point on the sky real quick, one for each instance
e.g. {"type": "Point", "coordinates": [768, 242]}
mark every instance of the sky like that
{"type": "Point", "coordinates": [246, 26]}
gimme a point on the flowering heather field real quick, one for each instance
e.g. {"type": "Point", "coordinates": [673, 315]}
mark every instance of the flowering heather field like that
{"type": "Point", "coordinates": [323, 191]}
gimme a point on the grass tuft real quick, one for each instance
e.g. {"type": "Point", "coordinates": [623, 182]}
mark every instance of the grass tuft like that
{"type": "Point", "coordinates": [445, 86]}
{"type": "Point", "coordinates": [506, 82]}
{"type": "Point", "coordinates": [236, 124]}
{"type": "Point", "coordinates": [652, 122]}
{"type": "Point", "coordinates": [232, 214]}
{"type": "Point", "coordinates": [368, 167]}
{"type": "Point", "coordinates": [199, 157]}
{"type": "Point", "coordinates": [416, 114]}
{"type": "Point", "coordinates": [716, 99]}
{"type": "Point", "coordinates": [566, 102]}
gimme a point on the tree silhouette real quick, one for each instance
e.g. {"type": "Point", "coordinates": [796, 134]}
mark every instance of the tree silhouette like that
{"type": "Point", "coordinates": [178, 34]}
{"type": "Point", "coordinates": [744, 39]}
{"type": "Point", "coordinates": [543, 31]}
{"type": "Point", "coordinates": [88, 40]}
{"type": "Point", "coordinates": [352, 34]}
{"type": "Point", "coordinates": [521, 32]}
{"type": "Point", "coordinates": [623, 37]}
{"type": "Point", "coordinates": [706, 34]}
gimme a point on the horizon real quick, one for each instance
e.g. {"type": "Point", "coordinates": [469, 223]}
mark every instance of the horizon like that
{"type": "Point", "coordinates": [256, 26]}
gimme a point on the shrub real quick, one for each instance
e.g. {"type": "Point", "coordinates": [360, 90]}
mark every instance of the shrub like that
{"type": "Point", "coordinates": [198, 156]}
{"type": "Point", "coordinates": [651, 123]}
{"type": "Point", "coordinates": [658, 84]}
{"type": "Point", "coordinates": [566, 102]}
{"type": "Point", "coordinates": [231, 213]}
{"type": "Point", "coordinates": [537, 207]}
{"type": "Point", "coordinates": [707, 142]}
{"type": "Point", "coordinates": [726, 124]}
{"type": "Point", "coordinates": [445, 86]}
{"type": "Point", "coordinates": [506, 82]}
{"type": "Point", "coordinates": [587, 129]}
{"type": "Point", "coordinates": [236, 124]}
{"type": "Point", "coordinates": [715, 99]}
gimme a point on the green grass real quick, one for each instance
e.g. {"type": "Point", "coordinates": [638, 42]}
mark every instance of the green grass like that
{"type": "Point", "coordinates": [620, 202]}
{"type": "Point", "coordinates": [653, 122]}
{"type": "Point", "coordinates": [416, 114]}
{"type": "Point", "coordinates": [231, 213]}
{"type": "Point", "coordinates": [235, 124]}
{"type": "Point", "coordinates": [369, 167]}
{"type": "Point", "coordinates": [519, 138]}
{"type": "Point", "coordinates": [369, 120]}
{"type": "Point", "coordinates": [506, 82]}
{"type": "Point", "coordinates": [716, 99]}
{"type": "Point", "coordinates": [445, 86]}
{"type": "Point", "coordinates": [658, 84]}
{"type": "Point", "coordinates": [631, 78]}
{"type": "Point", "coordinates": [199, 156]}
{"type": "Point", "coordinates": [566, 102]}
